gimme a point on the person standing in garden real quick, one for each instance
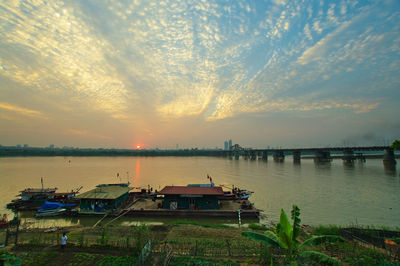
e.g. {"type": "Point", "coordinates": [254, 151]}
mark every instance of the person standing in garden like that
{"type": "Point", "coordinates": [63, 241]}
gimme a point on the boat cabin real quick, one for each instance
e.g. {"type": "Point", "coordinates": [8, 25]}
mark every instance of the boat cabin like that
{"type": "Point", "coordinates": [104, 198]}
{"type": "Point", "coordinates": [191, 198]}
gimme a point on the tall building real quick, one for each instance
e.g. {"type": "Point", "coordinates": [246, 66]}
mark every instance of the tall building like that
{"type": "Point", "coordinates": [230, 144]}
{"type": "Point", "coordinates": [226, 145]}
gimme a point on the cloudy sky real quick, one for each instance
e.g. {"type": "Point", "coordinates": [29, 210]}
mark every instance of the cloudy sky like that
{"type": "Point", "coordinates": [195, 73]}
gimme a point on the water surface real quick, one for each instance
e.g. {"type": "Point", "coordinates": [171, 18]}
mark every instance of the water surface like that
{"type": "Point", "coordinates": [362, 194]}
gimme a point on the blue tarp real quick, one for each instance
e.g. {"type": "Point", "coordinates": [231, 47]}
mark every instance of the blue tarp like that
{"type": "Point", "coordinates": [48, 205]}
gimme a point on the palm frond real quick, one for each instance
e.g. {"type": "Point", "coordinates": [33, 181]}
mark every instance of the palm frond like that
{"type": "Point", "coordinates": [269, 238]}
{"type": "Point", "coordinates": [319, 257]}
{"type": "Point", "coordinates": [317, 240]}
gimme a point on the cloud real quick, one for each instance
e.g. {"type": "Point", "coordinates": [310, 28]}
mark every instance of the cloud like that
{"type": "Point", "coordinates": [21, 110]}
{"type": "Point", "coordinates": [85, 134]}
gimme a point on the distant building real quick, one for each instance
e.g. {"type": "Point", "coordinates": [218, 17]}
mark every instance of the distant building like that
{"type": "Point", "coordinates": [226, 145]}
{"type": "Point", "coordinates": [230, 144]}
{"type": "Point", "coordinates": [51, 146]}
{"type": "Point", "coordinates": [26, 145]}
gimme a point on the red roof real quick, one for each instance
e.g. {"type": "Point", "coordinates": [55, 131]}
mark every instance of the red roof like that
{"type": "Point", "coordinates": [174, 190]}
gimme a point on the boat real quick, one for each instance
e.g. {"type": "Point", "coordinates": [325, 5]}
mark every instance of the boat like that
{"type": "Point", "coordinates": [53, 209]}
{"type": "Point", "coordinates": [50, 212]}
{"type": "Point", "coordinates": [33, 198]}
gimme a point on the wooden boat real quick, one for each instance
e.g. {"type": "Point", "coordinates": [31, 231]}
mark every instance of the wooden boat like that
{"type": "Point", "coordinates": [33, 198]}
{"type": "Point", "coordinates": [50, 212]}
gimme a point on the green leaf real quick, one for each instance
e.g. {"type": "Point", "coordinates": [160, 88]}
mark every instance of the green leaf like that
{"type": "Point", "coordinates": [395, 145]}
{"type": "Point", "coordinates": [269, 238]}
{"type": "Point", "coordinates": [296, 222]}
{"type": "Point", "coordinates": [320, 258]}
{"type": "Point", "coordinates": [285, 231]}
{"type": "Point", "coordinates": [317, 240]}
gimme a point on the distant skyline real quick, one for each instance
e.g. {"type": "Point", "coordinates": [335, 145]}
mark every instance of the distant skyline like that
{"type": "Point", "coordinates": [118, 74]}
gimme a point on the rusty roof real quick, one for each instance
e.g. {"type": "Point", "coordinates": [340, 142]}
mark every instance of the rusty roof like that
{"type": "Point", "coordinates": [176, 190]}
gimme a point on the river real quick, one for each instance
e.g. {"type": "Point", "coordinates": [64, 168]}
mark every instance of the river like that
{"type": "Point", "coordinates": [363, 194]}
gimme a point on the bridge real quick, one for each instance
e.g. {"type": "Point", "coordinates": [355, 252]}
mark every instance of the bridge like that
{"type": "Point", "coordinates": [321, 155]}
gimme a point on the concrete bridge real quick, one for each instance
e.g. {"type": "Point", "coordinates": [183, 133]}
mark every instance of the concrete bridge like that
{"type": "Point", "coordinates": [321, 155]}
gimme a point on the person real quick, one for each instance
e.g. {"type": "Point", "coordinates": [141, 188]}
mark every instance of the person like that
{"type": "Point", "coordinates": [63, 241]}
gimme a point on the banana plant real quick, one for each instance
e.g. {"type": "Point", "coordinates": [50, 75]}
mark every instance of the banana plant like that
{"type": "Point", "coordinates": [285, 237]}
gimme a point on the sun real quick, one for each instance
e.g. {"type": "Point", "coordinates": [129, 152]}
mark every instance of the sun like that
{"type": "Point", "coordinates": [138, 147]}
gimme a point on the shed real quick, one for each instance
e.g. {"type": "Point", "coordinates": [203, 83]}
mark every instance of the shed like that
{"type": "Point", "coordinates": [103, 198]}
{"type": "Point", "coordinates": [193, 198]}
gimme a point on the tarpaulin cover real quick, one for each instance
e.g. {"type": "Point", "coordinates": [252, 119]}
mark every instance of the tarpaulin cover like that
{"type": "Point", "coordinates": [48, 205]}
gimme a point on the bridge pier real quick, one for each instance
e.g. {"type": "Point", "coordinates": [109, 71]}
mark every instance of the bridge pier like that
{"type": "Point", "coordinates": [360, 157]}
{"type": "Point", "coordinates": [246, 155]}
{"type": "Point", "coordinates": [253, 155]}
{"type": "Point", "coordinates": [237, 155]}
{"type": "Point", "coordinates": [348, 157]}
{"type": "Point", "coordinates": [296, 157]}
{"type": "Point", "coordinates": [265, 156]}
{"type": "Point", "coordinates": [322, 157]}
{"type": "Point", "coordinates": [388, 158]}
{"type": "Point", "coordinates": [230, 155]}
{"type": "Point", "coordinates": [278, 156]}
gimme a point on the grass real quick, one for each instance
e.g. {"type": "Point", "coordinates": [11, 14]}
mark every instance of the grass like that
{"type": "Point", "coordinates": [187, 260]}
{"type": "Point", "coordinates": [181, 222]}
{"type": "Point", "coordinates": [327, 230]}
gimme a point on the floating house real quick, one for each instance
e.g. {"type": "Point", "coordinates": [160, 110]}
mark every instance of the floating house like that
{"type": "Point", "coordinates": [191, 198]}
{"type": "Point", "coordinates": [104, 198]}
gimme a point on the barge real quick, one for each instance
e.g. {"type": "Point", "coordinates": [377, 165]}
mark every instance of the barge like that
{"type": "Point", "coordinates": [116, 200]}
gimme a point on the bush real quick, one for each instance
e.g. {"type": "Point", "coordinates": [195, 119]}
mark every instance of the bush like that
{"type": "Point", "coordinates": [258, 227]}
{"type": "Point", "coordinates": [327, 230]}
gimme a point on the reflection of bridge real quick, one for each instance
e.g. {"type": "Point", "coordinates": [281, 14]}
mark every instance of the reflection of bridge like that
{"type": "Point", "coordinates": [348, 154]}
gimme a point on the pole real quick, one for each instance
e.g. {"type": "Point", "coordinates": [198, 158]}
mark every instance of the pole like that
{"type": "Point", "coordinates": [240, 221]}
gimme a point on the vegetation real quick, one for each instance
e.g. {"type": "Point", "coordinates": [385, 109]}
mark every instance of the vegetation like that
{"type": "Point", "coordinates": [9, 259]}
{"type": "Point", "coordinates": [395, 145]}
{"type": "Point", "coordinates": [187, 260]}
{"type": "Point", "coordinates": [202, 224]}
{"type": "Point", "coordinates": [258, 227]}
{"type": "Point", "coordinates": [141, 236]}
{"type": "Point", "coordinates": [33, 151]}
{"type": "Point", "coordinates": [327, 230]}
{"type": "Point", "coordinates": [285, 238]}
{"type": "Point", "coordinates": [190, 243]}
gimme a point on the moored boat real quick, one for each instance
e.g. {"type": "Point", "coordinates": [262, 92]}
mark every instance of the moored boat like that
{"type": "Point", "coordinates": [53, 209]}
{"type": "Point", "coordinates": [33, 198]}
{"type": "Point", "coordinates": [50, 212]}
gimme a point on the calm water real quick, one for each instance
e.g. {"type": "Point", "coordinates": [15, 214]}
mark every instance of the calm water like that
{"type": "Point", "coordinates": [364, 194]}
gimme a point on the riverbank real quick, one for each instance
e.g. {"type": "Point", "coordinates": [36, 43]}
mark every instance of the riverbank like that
{"type": "Point", "coordinates": [183, 242]}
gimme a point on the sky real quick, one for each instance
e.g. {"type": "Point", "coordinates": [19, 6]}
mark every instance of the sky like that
{"type": "Point", "coordinates": [278, 73]}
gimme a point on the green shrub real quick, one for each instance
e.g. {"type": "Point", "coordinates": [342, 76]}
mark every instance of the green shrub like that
{"type": "Point", "coordinates": [258, 227]}
{"type": "Point", "coordinates": [327, 230]}
{"type": "Point", "coordinates": [117, 261]}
